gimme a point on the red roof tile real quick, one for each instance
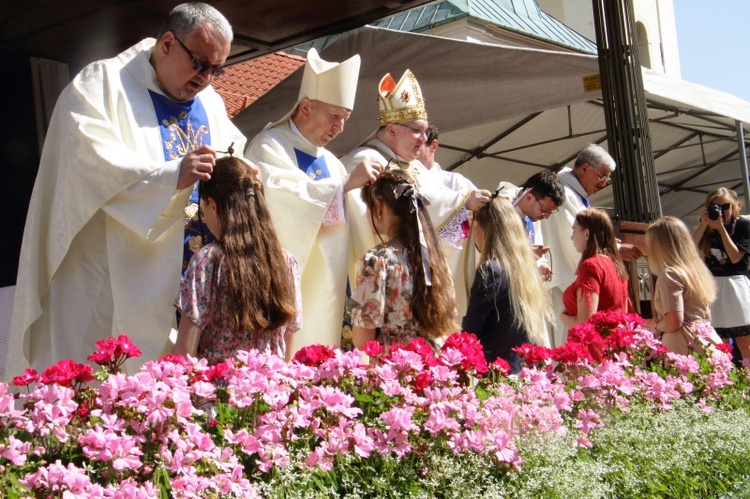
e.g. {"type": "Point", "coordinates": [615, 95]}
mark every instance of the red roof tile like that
{"type": "Point", "coordinates": [245, 82]}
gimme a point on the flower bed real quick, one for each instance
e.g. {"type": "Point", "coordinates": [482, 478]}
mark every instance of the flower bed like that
{"type": "Point", "coordinates": [608, 414]}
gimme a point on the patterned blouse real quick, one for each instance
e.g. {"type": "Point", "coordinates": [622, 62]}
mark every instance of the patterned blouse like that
{"type": "Point", "coordinates": [207, 308]}
{"type": "Point", "coordinates": [383, 295]}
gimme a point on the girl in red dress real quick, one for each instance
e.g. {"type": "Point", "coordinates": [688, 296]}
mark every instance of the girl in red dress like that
{"type": "Point", "coordinates": [601, 280]}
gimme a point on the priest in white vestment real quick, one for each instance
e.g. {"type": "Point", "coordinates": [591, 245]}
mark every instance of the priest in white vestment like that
{"type": "Point", "coordinates": [396, 144]}
{"type": "Point", "coordinates": [103, 240]}
{"type": "Point", "coordinates": [590, 173]}
{"type": "Point", "coordinates": [307, 190]}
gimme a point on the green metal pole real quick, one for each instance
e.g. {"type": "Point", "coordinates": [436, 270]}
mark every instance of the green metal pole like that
{"type": "Point", "coordinates": [626, 114]}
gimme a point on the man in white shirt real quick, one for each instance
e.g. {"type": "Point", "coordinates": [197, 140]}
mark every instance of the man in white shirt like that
{"type": "Point", "coordinates": [426, 156]}
{"type": "Point", "coordinates": [537, 199]}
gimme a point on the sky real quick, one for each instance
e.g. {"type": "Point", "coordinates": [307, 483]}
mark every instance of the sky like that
{"type": "Point", "coordinates": [713, 38]}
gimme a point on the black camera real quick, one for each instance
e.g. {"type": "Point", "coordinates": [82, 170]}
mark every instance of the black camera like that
{"type": "Point", "coordinates": [714, 212]}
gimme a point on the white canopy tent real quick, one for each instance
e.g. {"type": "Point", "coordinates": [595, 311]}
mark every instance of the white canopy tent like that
{"type": "Point", "coordinates": [504, 113]}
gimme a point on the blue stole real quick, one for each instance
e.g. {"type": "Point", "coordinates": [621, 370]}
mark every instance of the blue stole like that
{"type": "Point", "coordinates": [183, 125]}
{"type": "Point", "coordinates": [585, 201]}
{"type": "Point", "coordinates": [313, 167]}
{"type": "Point", "coordinates": [184, 128]}
{"type": "Point", "coordinates": [528, 228]}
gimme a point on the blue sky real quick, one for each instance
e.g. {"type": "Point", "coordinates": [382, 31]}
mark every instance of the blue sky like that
{"type": "Point", "coordinates": [713, 37]}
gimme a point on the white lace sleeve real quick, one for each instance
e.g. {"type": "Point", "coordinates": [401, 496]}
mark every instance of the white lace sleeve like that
{"type": "Point", "coordinates": [457, 229]}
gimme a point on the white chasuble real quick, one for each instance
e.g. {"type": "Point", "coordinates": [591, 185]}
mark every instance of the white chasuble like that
{"type": "Point", "coordinates": [103, 239]}
{"type": "Point", "coordinates": [563, 256]}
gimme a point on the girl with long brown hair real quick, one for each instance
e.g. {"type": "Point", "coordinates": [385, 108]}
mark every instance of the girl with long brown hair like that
{"type": "Point", "coordinates": [243, 291]}
{"type": "Point", "coordinates": [404, 288]}
{"type": "Point", "coordinates": [601, 280]}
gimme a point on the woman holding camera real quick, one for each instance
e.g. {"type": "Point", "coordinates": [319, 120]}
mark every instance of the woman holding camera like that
{"type": "Point", "coordinates": [723, 238]}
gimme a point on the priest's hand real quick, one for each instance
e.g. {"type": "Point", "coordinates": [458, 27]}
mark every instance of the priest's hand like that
{"type": "Point", "coordinates": [364, 173]}
{"type": "Point", "coordinates": [477, 199]}
{"type": "Point", "coordinates": [196, 165]}
{"type": "Point", "coordinates": [629, 252]}
{"type": "Point", "coordinates": [539, 250]}
{"type": "Point", "coordinates": [546, 272]}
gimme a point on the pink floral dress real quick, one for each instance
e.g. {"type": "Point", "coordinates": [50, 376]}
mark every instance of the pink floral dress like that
{"type": "Point", "coordinates": [207, 308]}
{"type": "Point", "coordinates": [383, 294]}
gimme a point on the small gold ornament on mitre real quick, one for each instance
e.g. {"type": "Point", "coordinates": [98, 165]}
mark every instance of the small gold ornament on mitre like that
{"type": "Point", "coordinates": [400, 102]}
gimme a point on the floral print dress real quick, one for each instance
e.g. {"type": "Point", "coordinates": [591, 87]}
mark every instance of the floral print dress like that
{"type": "Point", "coordinates": [207, 308]}
{"type": "Point", "coordinates": [383, 295]}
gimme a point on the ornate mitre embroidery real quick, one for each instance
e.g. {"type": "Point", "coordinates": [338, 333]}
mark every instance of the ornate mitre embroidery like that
{"type": "Point", "coordinates": [402, 101]}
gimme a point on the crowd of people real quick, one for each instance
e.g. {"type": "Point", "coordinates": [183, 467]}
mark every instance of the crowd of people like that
{"type": "Point", "coordinates": [301, 238]}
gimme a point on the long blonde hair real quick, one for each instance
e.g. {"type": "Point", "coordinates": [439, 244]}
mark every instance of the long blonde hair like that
{"type": "Point", "coordinates": [669, 245]}
{"type": "Point", "coordinates": [506, 242]}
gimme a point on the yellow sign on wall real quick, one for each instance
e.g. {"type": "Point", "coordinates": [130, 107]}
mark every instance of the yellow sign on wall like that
{"type": "Point", "coordinates": [592, 83]}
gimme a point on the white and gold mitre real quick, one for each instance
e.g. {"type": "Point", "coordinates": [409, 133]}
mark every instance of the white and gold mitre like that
{"type": "Point", "coordinates": [402, 101]}
{"type": "Point", "coordinates": [330, 82]}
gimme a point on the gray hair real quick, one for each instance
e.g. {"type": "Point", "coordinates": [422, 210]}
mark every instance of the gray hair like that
{"type": "Point", "coordinates": [186, 17]}
{"type": "Point", "coordinates": [595, 156]}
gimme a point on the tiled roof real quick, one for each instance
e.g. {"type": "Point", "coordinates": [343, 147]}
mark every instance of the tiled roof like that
{"type": "Point", "coordinates": [246, 81]}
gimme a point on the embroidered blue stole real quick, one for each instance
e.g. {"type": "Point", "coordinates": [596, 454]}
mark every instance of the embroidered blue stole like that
{"type": "Point", "coordinates": [184, 128]}
{"type": "Point", "coordinates": [315, 168]}
{"type": "Point", "coordinates": [183, 125]}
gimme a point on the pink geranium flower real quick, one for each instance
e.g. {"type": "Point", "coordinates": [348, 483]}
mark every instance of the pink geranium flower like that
{"type": "Point", "coordinates": [417, 345]}
{"type": "Point", "coordinates": [313, 355]}
{"type": "Point", "coordinates": [533, 354]}
{"type": "Point", "coordinates": [66, 372]}
{"type": "Point", "coordinates": [29, 376]}
{"type": "Point", "coordinates": [184, 428]}
{"type": "Point", "coordinates": [373, 348]}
